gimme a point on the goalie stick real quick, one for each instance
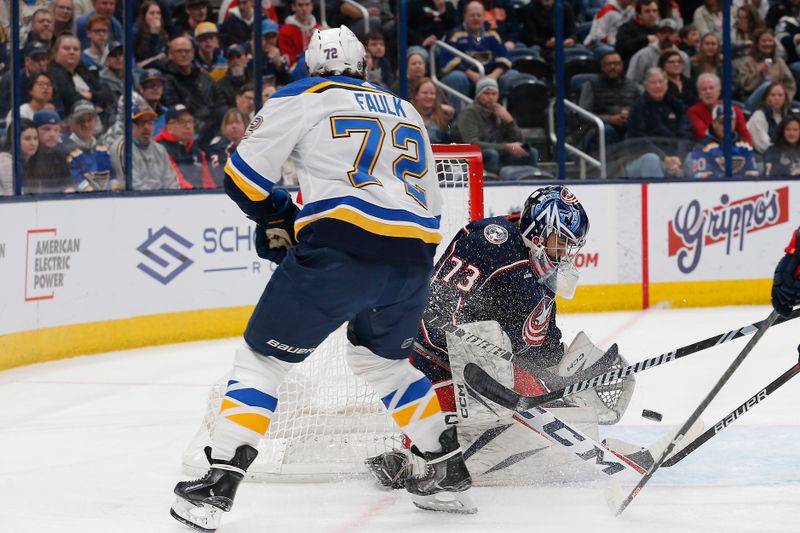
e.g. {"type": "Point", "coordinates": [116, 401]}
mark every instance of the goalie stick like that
{"type": "Point", "coordinates": [734, 415]}
{"type": "Point", "coordinates": [518, 402]}
{"type": "Point", "coordinates": [698, 411]}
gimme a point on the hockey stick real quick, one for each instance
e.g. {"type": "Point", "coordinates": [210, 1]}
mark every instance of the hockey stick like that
{"type": "Point", "coordinates": [734, 415]}
{"type": "Point", "coordinates": [519, 402]}
{"type": "Point", "coordinates": [698, 411]}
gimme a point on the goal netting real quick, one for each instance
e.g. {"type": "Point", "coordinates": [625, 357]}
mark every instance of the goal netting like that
{"type": "Point", "coordinates": [328, 420]}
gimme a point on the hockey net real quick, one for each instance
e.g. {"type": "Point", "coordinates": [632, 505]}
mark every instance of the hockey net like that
{"type": "Point", "coordinates": [328, 420]}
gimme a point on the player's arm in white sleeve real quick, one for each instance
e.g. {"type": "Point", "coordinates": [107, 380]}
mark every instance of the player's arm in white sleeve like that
{"type": "Point", "coordinates": [255, 166]}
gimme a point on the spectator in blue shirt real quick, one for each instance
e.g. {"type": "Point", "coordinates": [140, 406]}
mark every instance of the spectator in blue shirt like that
{"type": "Point", "coordinates": [106, 9]}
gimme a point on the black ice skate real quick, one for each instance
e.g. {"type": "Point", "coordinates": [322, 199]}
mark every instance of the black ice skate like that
{"type": "Point", "coordinates": [445, 485]}
{"type": "Point", "coordinates": [200, 503]}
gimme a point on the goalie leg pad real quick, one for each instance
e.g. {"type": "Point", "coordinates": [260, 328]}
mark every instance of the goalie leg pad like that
{"type": "Point", "coordinates": [249, 404]}
{"type": "Point", "coordinates": [406, 393]}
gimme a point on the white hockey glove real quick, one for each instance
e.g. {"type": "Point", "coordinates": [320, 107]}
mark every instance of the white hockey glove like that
{"type": "Point", "coordinates": [583, 360]}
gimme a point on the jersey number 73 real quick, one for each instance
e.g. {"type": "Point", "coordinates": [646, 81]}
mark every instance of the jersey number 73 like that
{"type": "Point", "coordinates": [407, 165]}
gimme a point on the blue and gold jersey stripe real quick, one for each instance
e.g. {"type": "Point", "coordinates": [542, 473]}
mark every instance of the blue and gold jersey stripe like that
{"type": "Point", "coordinates": [378, 220]}
{"type": "Point", "coordinates": [255, 186]}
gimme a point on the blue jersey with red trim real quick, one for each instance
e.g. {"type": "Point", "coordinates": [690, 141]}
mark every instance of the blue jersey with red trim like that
{"type": "Point", "coordinates": [485, 274]}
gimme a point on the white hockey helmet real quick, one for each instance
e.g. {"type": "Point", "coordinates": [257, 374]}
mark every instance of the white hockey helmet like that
{"type": "Point", "coordinates": [335, 51]}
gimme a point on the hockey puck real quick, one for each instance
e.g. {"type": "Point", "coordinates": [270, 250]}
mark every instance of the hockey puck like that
{"type": "Point", "coordinates": [651, 415]}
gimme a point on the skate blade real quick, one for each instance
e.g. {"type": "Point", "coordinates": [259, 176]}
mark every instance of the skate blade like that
{"type": "Point", "coordinates": [447, 502]}
{"type": "Point", "coordinates": [202, 517]}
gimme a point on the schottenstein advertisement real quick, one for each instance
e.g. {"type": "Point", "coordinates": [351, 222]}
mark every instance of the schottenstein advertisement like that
{"type": "Point", "coordinates": [719, 231]}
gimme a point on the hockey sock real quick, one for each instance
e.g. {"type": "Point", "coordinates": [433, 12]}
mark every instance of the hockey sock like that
{"type": "Point", "coordinates": [406, 392]}
{"type": "Point", "coordinates": [249, 404]}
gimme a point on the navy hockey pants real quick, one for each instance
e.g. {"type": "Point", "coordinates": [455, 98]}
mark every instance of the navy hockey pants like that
{"type": "Point", "coordinates": [316, 289]}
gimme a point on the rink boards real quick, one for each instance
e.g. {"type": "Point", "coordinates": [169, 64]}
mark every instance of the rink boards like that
{"type": "Point", "coordinates": [97, 273]}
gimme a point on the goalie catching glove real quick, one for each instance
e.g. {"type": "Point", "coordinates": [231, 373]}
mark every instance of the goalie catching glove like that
{"type": "Point", "coordinates": [275, 232]}
{"type": "Point", "coordinates": [583, 360]}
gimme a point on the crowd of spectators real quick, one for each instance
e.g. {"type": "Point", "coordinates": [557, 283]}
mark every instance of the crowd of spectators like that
{"type": "Point", "coordinates": [651, 68]}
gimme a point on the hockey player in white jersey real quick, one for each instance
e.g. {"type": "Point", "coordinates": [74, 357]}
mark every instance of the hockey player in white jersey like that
{"type": "Point", "coordinates": [359, 251]}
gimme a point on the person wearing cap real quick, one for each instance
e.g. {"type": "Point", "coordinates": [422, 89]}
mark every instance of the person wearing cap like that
{"type": "Point", "coordinates": [638, 32]}
{"type": "Point", "coordinates": [487, 124]}
{"type": "Point", "coordinates": [188, 160]}
{"type": "Point", "coordinates": [208, 56]}
{"type": "Point", "coordinates": [647, 57]}
{"type": "Point", "coordinates": [708, 156]}
{"type": "Point", "coordinates": [104, 8]}
{"type": "Point", "coordinates": [275, 64]}
{"type": "Point", "coordinates": [186, 84]}
{"type": "Point", "coordinates": [237, 26]}
{"type": "Point", "coordinates": [225, 90]}
{"type": "Point", "coordinates": [47, 169]}
{"type": "Point", "coordinates": [195, 12]}
{"type": "Point", "coordinates": [112, 74]}
{"type": "Point", "coordinates": [89, 161]}
{"type": "Point", "coordinates": [293, 36]}
{"type": "Point", "coordinates": [35, 56]}
{"type": "Point", "coordinates": [97, 28]}
{"type": "Point", "coordinates": [151, 88]}
{"type": "Point", "coordinates": [150, 164]}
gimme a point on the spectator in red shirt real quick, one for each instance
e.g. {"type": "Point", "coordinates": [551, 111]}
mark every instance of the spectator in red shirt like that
{"type": "Point", "coordinates": [296, 30]}
{"type": "Point", "coordinates": [709, 89]}
{"type": "Point", "coordinates": [188, 160]}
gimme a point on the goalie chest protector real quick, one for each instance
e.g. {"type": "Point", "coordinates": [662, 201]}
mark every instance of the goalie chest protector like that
{"type": "Point", "coordinates": [485, 274]}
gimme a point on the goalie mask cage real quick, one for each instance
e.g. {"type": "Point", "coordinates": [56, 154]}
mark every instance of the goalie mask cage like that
{"type": "Point", "coordinates": [328, 420]}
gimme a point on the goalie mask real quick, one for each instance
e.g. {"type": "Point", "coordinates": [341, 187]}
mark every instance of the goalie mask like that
{"type": "Point", "coordinates": [554, 225]}
{"type": "Point", "coordinates": [335, 51]}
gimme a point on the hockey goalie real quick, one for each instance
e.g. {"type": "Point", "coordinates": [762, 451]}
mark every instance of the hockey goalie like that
{"type": "Point", "coordinates": [497, 281]}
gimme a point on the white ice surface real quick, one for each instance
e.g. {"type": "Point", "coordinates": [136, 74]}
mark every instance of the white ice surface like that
{"type": "Point", "coordinates": [93, 444]}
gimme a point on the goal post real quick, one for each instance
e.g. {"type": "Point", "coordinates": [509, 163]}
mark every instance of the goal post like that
{"type": "Point", "coordinates": [328, 420]}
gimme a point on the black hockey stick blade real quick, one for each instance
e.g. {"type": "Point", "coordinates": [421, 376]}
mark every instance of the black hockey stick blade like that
{"type": "Point", "coordinates": [526, 402]}
{"type": "Point", "coordinates": [480, 381]}
{"type": "Point", "coordinates": [734, 415]}
{"type": "Point", "coordinates": [765, 325]}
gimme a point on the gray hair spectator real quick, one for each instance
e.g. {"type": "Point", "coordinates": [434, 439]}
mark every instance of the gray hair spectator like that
{"type": "Point", "coordinates": [764, 122]}
{"type": "Point", "coordinates": [188, 160]}
{"type": "Point", "coordinates": [47, 170]}
{"type": "Point", "coordinates": [89, 161]}
{"type": "Point", "coordinates": [487, 124]}
{"type": "Point", "coordinates": [150, 164]}
{"type": "Point", "coordinates": [709, 90]}
{"type": "Point", "coordinates": [658, 130]}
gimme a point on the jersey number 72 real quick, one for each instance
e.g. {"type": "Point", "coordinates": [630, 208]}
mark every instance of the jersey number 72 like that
{"type": "Point", "coordinates": [407, 165]}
